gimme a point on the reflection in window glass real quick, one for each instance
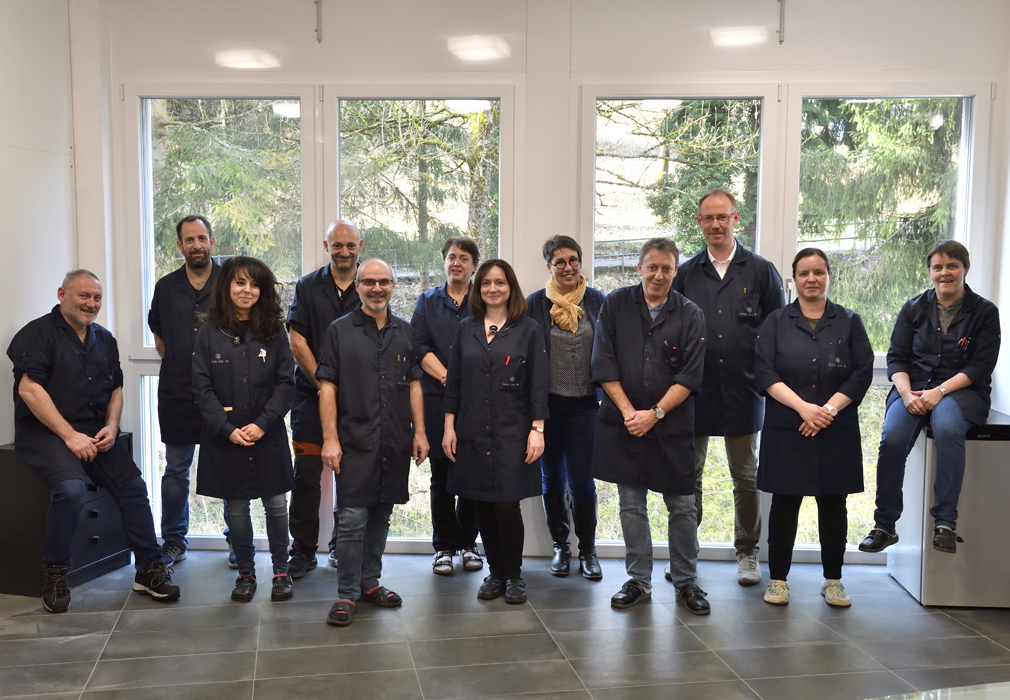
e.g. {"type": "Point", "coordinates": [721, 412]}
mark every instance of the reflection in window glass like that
{"type": "Point", "coordinates": [880, 180]}
{"type": "Point", "coordinates": [654, 159]}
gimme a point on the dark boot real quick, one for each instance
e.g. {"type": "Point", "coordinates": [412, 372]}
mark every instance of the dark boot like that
{"type": "Point", "coordinates": [584, 517]}
{"type": "Point", "coordinates": [556, 510]}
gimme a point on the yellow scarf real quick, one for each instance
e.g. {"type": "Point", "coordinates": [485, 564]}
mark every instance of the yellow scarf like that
{"type": "Point", "coordinates": [566, 311]}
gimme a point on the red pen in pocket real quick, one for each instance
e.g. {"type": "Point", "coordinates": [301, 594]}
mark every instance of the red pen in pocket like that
{"type": "Point", "coordinates": [507, 360]}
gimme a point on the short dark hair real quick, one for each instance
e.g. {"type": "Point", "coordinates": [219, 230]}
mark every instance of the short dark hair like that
{"type": "Point", "coordinates": [719, 190]}
{"type": "Point", "coordinates": [664, 244]}
{"type": "Point", "coordinates": [806, 253]}
{"type": "Point", "coordinates": [464, 243]}
{"type": "Point", "coordinates": [517, 303]}
{"type": "Point", "coordinates": [952, 249]}
{"type": "Point", "coordinates": [193, 217]}
{"type": "Point", "coordinates": [265, 317]}
{"type": "Point", "coordinates": [556, 243]}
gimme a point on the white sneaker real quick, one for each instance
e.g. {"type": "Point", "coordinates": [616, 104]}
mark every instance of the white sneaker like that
{"type": "Point", "coordinates": [834, 594]}
{"type": "Point", "coordinates": [777, 592]}
{"type": "Point", "coordinates": [748, 571]}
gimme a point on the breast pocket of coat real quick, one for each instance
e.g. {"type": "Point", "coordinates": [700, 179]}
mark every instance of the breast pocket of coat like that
{"type": "Point", "coordinates": [746, 307]}
{"type": "Point", "coordinates": [513, 375]}
{"type": "Point", "coordinates": [837, 358]}
{"type": "Point", "coordinates": [355, 433]}
{"type": "Point", "coordinates": [402, 369]}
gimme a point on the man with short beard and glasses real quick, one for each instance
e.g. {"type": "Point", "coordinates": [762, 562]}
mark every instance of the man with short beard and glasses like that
{"type": "Point", "coordinates": [68, 399]}
{"type": "Point", "coordinates": [180, 298]}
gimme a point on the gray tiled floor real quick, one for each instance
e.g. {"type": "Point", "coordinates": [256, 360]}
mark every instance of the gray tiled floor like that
{"type": "Point", "coordinates": [565, 644]}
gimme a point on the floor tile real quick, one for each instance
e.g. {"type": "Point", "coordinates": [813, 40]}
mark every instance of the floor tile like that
{"type": "Point", "coordinates": [928, 653]}
{"type": "Point", "coordinates": [495, 624]}
{"type": "Point", "coordinates": [35, 626]}
{"type": "Point", "coordinates": [881, 628]}
{"type": "Point", "coordinates": [173, 670]}
{"type": "Point", "coordinates": [45, 678]}
{"type": "Point", "coordinates": [231, 690]}
{"type": "Point", "coordinates": [430, 584]}
{"type": "Point", "coordinates": [183, 618]}
{"type": "Point", "coordinates": [455, 604]}
{"type": "Point", "coordinates": [932, 678]}
{"type": "Point", "coordinates": [24, 652]}
{"type": "Point", "coordinates": [484, 650]}
{"type": "Point", "coordinates": [863, 605]}
{"type": "Point", "coordinates": [285, 663]}
{"type": "Point", "coordinates": [385, 685]}
{"type": "Point", "coordinates": [649, 614]}
{"type": "Point", "coordinates": [497, 679]}
{"type": "Point", "coordinates": [47, 696]}
{"type": "Point", "coordinates": [595, 595]}
{"type": "Point", "coordinates": [314, 611]}
{"type": "Point", "coordinates": [747, 635]}
{"type": "Point", "coordinates": [558, 695]}
{"type": "Point", "coordinates": [311, 634]}
{"type": "Point", "coordinates": [155, 642]}
{"type": "Point", "coordinates": [651, 669]}
{"type": "Point", "coordinates": [712, 690]}
{"type": "Point", "coordinates": [987, 621]}
{"type": "Point", "coordinates": [628, 642]}
{"type": "Point", "coordinates": [724, 611]}
{"type": "Point", "coordinates": [813, 659]}
{"type": "Point", "coordinates": [840, 686]}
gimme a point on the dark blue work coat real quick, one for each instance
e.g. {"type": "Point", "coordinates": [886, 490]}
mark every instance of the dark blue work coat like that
{"type": "Point", "coordinates": [80, 378]}
{"type": "Point", "coordinates": [734, 307]}
{"type": "Point", "coordinates": [372, 371]}
{"type": "Point", "coordinates": [315, 306]}
{"type": "Point", "coordinates": [175, 318]}
{"type": "Point", "coordinates": [236, 384]}
{"type": "Point", "coordinates": [496, 390]}
{"type": "Point", "coordinates": [930, 357]}
{"type": "Point", "coordinates": [834, 357]}
{"type": "Point", "coordinates": [434, 324]}
{"type": "Point", "coordinates": [648, 357]}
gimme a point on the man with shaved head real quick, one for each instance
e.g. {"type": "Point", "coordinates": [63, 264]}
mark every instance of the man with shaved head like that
{"type": "Point", "coordinates": [372, 412]}
{"type": "Point", "coordinates": [321, 297]}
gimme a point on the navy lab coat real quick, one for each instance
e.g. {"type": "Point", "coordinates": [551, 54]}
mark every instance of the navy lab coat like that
{"type": "Point", "coordinates": [930, 357]}
{"type": "Point", "coordinates": [434, 325]}
{"type": "Point", "coordinates": [175, 318]}
{"type": "Point", "coordinates": [372, 371]}
{"type": "Point", "coordinates": [236, 384]}
{"type": "Point", "coordinates": [648, 357]}
{"type": "Point", "coordinates": [734, 307]}
{"type": "Point", "coordinates": [496, 390]}
{"type": "Point", "coordinates": [834, 357]}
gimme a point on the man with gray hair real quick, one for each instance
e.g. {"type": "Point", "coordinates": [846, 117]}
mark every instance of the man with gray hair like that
{"type": "Point", "coordinates": [68, 399]}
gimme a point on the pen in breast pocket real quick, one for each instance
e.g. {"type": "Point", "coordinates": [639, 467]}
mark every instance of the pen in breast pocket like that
{"type": "Point", "coordinates": [507, 360]}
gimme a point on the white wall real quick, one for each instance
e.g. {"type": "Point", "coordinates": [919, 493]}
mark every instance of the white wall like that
{"type": "Point", "coordinates": [38, 244]}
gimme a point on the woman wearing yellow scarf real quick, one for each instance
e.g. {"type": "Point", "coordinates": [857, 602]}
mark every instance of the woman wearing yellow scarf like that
{"type": "Point", "coordinates": [567, 310]}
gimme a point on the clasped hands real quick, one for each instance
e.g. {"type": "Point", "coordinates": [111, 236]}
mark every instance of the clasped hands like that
{"type": "Point", "coordinates": [86, 448]}
{"type": "Point", "coordinates": [815, 419]}
{"type": "Point", "coordinates": [919, 403]}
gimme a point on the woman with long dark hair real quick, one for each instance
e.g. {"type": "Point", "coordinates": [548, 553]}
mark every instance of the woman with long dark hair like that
{"type": "Point", "coordinates": [243, 381]}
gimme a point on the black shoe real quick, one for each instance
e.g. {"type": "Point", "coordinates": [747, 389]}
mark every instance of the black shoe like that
{"type": "Point", "coordinates": [245, 588]}
{"type": "Point", "coordinates": [584, 519]}
{"type": "Point", "coordinates": [383, 597]}
{"type": "Point", "coordinates": [515, 591]}
{"type": "Point", "coordinates": [631, 594]}
{"type": "Point", "coordinates": [156, 581]}
{"type": "Point", "coordinates": [341, 613]}
{"type": "Point", "coordinates": [172, 552]}
{"type": "Point", "coordinates": [945, 539]}
{"type": "Point", "coordinates": [281, 588]}
{"type": "Point", "coordinates": [299, 565]}
{"type": "Point", "coordinates": [562, 561]}
{"type": "Point", "coordinates": [491, 588]}
{"type": "Point", "coordinates": [693, 599]}
{"type": "Point", "coordinates": [589, 565]}
{"type": "Point", "coordinates": [55, 588]}
{"type": "Point", "coordinates": [877, 541]}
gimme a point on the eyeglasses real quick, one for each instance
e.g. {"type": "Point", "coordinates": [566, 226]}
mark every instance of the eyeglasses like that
{"type": "Point", "coordinates": [384, 283]}
{"type": "Point", "coordinates": [560, 264]}
{"type": "Point", "coordinates": [722, 219]}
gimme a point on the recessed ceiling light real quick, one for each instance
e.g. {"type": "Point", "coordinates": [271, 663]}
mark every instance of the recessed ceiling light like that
{"type": "Point", "coordinates": [246, 59]}
{"type": "Point", "coordinates": [479, 47]}
{"type": "Point", "coordinates": [739, 36]}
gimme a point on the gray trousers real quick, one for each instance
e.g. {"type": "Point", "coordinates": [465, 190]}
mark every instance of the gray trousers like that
{"type": "Point", "coordinates": [741, 451]}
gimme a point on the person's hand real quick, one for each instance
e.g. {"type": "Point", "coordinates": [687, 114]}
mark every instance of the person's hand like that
{"type": "Point", "coordinates": [332, 454]}
{"type": "Point", "coordinates": [641, 422]}
{"type": "Point", "coordinates": [442, 379]}
{"type": "Point", "coordinates": [814, 417]}
{"type": "Point", "coordinates": [83, 447]}
{"type": "Point", "coordinates": [252, 432]}
{"type": "Point", "coordinates": [238, 437]}
{"type": "Point", "coordinates": [106, 438]}
{"type": "Point", "coordinates": [913, 403]}
{"type": "Point", "coordinates": [449, 443]}
{"type": "Point", "coordinates": [929, 398]}
{"type": "Point", "coordinates": [534, 446]}
{"type": "Point", "coordinates": [420, 447]}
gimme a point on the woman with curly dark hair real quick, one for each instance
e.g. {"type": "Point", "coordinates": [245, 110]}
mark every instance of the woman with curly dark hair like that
{"type": "Point", "coordinates": [243, 381]}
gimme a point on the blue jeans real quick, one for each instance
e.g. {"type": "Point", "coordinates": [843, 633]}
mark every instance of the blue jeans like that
{"type": "Point", "coordinates": [65, 504]}
{"type": "Point", "coordinates": [900, 431]}
{"type": "Point", "coordinates": [361, 540]}
{"type": "Point", "coordinates": [682, 528]}
{"type": "Point", "coordinates": [241, 529]}
{"type": "Point", "coordinates": [569, 436]}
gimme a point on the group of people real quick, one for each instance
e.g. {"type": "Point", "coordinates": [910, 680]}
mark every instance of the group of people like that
{"type": "Point", "coordinates": [509, 398]}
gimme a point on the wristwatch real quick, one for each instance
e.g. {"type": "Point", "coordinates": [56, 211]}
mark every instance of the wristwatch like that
{"type": "Point", "coordinates": [942, 390]}
{"type": "Point", "coordinates": [537, 428]}
{"type": "Point", "coordinates": [831, 409]}
{"type": "Point", "coordinates": [659, 412]}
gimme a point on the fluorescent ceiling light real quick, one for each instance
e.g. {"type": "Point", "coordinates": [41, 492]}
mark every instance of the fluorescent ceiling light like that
{"type": "Point", "coordinates": [739, 36]}
{"type": "Point", "coordinates": [467, 106]}
{"type": "Point", "coordinates": [288, 110]}
{"type": "Point", "coordinates": [246, 58]}
{"type": "Point", "coordinates": [936, 122]}
{"type": "Point", "coordinates": [479, 47]}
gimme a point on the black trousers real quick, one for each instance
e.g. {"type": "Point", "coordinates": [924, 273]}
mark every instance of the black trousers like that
{"type": "Point", "coordinates": [453, 520]}
{"type": "Point", "coordinates": [303, 517]}
{"type": "Point", "coordinates": [832, 523]}
{"type": "Point", "coordinates": [502, 531]}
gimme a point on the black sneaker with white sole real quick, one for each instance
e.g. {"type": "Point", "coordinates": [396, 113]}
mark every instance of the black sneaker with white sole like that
{"type": "Point", "coordinates": [55, 588]}
{"type": "Point", "coordinates": [172, 552]}
{"type": "Point", "coordinates": [156, 581]}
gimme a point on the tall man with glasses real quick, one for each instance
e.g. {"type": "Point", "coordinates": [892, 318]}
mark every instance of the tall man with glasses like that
{"type": "Point", "coordinates": [736, 290]}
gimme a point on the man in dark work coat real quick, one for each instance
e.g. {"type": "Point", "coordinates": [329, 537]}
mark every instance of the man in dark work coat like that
{"type": "Point", "coordinates": [321, 297]}
{"type": "Point", "coordinates": [180, 298]}
{"type": "Point", "coordinates": [736, 291]}
{"type": "Point", "coordinates": [372, 412]}
{"type": "Point", "coordinates": [68, 399]}
{"type": "Point", "coordinates": [648, 355]}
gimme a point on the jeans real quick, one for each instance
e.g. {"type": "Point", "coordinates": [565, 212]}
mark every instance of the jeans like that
{"type": "Point", "coordinates": [569, 436]}
{"type": "Point", "coordinates": [361, 540]}
{"type": "Point", "coordinates": [900, 431]}
{"type": "Point", "coordinates": [175, 493]}
{"type": "Point", "coordinates": [741, 451]}
{"type": "Point", "coordinates": [453, 520]}
{"type": "Point", "coordinates": [682, 528]}
{"type": "Point", "coordinates": [305, 498]}
{"type": "Point", "coordinates": [832, 523]}
{"type": "Point", "coordinates": [503, 534]}
{"type": "Point", "coordinates": [241, 529]}
{"type": "Point", "coordinates": [65, 504]}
